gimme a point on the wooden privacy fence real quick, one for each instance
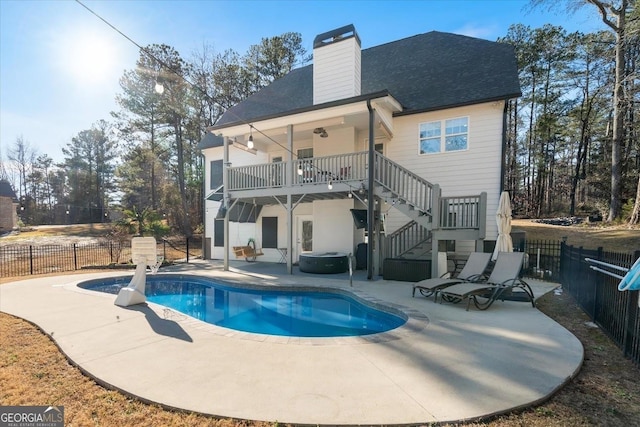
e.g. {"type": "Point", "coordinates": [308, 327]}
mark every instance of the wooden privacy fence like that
{"type": "Point", "coordinates": [24, 260]}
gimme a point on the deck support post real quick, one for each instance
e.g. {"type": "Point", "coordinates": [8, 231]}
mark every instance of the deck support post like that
{"type": "Point", "coordinates": [370, 193]}
{"type": "Point", "coordinates": [225, 200]}
{"type": "Point", "coordinates": [289, 180]}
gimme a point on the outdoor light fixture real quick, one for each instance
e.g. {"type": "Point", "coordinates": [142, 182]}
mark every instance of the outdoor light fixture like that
{"type": "Point", "coordinates": [300, 170]}
{"type": "Point", "coordinates": [248, 147]}
{"type": "Point", "coordinates": [330, 186]}
{"type": "Point", "coordinates": [250, 142]}
{"type": "Point", "coordinates": [159, 88]}
{"type": "Point", "coordinates": [350, 195]}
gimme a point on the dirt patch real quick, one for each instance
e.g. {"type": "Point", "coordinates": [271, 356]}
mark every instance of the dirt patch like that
{"type": "Point", "coordinates": [615, 238]}
{"type": "Point", "coordinates": [57, 235]}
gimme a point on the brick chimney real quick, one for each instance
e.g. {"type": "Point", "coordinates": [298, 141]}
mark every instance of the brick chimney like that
{"type": "Point", "coordinates": [336, 65]}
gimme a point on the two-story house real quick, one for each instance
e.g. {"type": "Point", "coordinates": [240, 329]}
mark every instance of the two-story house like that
{"type": "Point", "coordinates": [400, 145]}
{"type": "Point", "coordinates": [8, 207]}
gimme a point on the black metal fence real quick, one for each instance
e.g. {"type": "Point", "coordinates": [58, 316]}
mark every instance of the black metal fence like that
{"type": "Point", "coordinates": [23, 260]}
{"type": "Point", "coordinates": [542, 259]}
{"type": "Point", "coordinates": [616, 312]}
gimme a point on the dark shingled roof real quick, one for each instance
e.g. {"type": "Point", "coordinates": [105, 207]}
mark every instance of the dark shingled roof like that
{"type": "Point", "coordinates": [6, 190]}
{"type": "Point", "coordinates": [425, 72]}
{"type": "Point", "coordinates": [209, 141]}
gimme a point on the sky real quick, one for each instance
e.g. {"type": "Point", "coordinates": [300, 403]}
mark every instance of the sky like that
{"type": "Point", "coordinates": [60, 64]}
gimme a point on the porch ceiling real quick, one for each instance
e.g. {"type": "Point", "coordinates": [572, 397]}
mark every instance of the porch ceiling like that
{"type": "Point", "coordinates": [354, 115]}
{"type": "Point", "coordinates": [295, 198]}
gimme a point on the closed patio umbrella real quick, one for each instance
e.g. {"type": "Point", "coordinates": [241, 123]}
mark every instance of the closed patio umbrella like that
{"type": "Point", "coordinates": [503, 219]}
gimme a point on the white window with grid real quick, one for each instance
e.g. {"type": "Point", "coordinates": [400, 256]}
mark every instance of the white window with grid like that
{"type": "Point", "coordinates": [444, 136]}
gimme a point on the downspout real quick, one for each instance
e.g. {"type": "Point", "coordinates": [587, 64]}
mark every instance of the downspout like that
{"type": "Point", "coordinates": [503, 166]}
{"type": "Point", "coordinates": [370, 201]}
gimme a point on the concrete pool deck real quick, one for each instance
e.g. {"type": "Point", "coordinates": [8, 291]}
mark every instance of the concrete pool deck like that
{"type": "Point", "coordinates": [446, 365]}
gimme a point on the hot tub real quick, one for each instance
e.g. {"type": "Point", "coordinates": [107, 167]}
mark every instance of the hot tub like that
{"type": "Point", "coordinates": [323, 262]}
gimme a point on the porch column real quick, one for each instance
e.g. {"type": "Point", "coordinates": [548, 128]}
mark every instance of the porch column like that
{"type": "Point", "coordinates": [289, 180]}
{"type": "Point", "coordinates": [482, 222]}
{"type": "Point", "coordinates": [434, 256]}
{"type": "Point", "coordinates": [225, 200]}
{"type": "Point", "coordinates": [370, 205]}
{"type": "Point", "coordinates": [436, 195]}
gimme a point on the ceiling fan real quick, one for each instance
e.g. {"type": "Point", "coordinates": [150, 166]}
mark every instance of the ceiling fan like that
{"type": "Point", "coordinates": [321, 131]}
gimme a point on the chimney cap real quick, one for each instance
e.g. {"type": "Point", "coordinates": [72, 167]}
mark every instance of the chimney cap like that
{"type": "Point", "coordinates": [336, 35]}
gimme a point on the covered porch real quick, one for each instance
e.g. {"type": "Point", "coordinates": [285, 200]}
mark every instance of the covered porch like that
{"type": "Point", "coordinates": [324, 155]}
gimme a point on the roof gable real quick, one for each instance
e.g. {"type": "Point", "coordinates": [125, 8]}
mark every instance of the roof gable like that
{"type": "Point", "coordinates": [425, 72]}
{"type": "Point", "coordinates": [6, 190]}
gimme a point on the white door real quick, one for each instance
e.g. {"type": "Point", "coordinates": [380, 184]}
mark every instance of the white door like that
{"type": "Point", "coordinates": [304, 234]}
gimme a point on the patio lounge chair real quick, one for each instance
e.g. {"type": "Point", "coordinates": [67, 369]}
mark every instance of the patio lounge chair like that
{"type": "Point", "coordinates": [471, 272]}
{"type": "Point", "coordinates": [504, 283]}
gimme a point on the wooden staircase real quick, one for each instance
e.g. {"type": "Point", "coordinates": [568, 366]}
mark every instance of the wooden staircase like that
{"type": "Point", "coordinates": [431, 215]}
{"type": "Point", "coordinates": [409, 241]}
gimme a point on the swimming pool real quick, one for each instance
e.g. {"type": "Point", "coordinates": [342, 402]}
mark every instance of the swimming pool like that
{"type": "Point", "coordinates": [285, 312]}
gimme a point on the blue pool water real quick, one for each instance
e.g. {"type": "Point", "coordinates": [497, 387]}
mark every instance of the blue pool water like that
{"type": "Point", "coordinates": [262, 311]}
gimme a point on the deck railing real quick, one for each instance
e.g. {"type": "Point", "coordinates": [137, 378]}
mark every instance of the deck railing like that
{"type": "Point", "coordinates": [463, 212]}
{"type": "Point", "coordinates": [336, 168]}
{"type": "Point", "coordinates": [312, 170]}
{"type": "Point", "coordinates": [408, 186]}
{"type": "Point", "coordinates": [264, 175]}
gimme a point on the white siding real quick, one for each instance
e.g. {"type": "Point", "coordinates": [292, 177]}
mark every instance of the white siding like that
{"type": "Point", "coordinates": [270, 254]}
{"type": "Point", "coordinates": [336, 71]}
{"type": "Point", "coordinates": [210, 155]}
{"type": "Point", "coordinates": [239, 233]}
{"type": "Point", "coordinates": [339, 141]}
{"type": "Point", "coordinates": [239, 157]}
{"type": "Point", "coordinates": [460, 173]}
{"type": "Point", "coordinates": [333, 227]}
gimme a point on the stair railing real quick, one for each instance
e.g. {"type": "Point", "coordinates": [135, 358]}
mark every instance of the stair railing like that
{"type": "Point", "coordinates": [404, 239]}
{"type": "Point", "coordinates": [407, 186]}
